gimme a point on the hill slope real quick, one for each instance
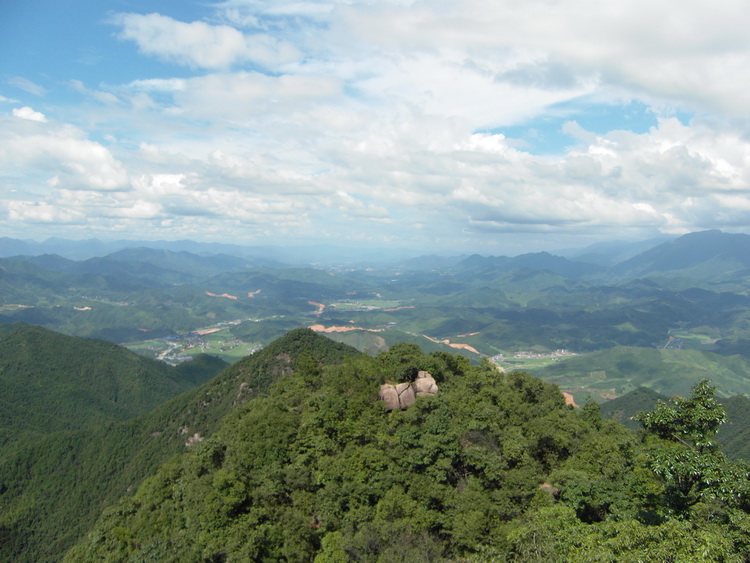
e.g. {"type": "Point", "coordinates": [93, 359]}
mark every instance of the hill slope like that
{"type": "Point", "coordinates": [617, 371]}
{"type": "Point", "coordinates": [53, 487]}
{"type": "Point", "coordinates": [703, 258]}
{"type": "Point", "coordinates": [55, 382]}
{"type": "Point", "coordinates": [492, 468]}
{"type": "Point", "coordinates": [734, 435]}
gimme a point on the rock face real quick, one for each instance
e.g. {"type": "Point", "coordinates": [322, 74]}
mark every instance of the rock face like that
{"type": "Point", "coordinates": [425, 384]}
{"type": "Point", "coordinates": [402, 395]}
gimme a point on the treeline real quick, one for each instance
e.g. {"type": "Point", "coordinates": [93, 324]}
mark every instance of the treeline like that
{"type": "Point", "coordinates": [495, 467]}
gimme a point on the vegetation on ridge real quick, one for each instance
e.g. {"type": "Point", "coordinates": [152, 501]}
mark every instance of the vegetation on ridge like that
{"type": "Point", "coordinates": [494, 466]}
{"type": "Point", "coordinates": [52, 487]}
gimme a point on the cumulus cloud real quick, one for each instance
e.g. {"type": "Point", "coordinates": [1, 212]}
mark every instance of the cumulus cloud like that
{"type": "Point", "coordinates": [42, 212]}
{"type": "Point", "coordinates": [243, 95]}
{"type": "Point", "coordinates": [63, 154]}
{"type": "Point", "coordinates": [692, 54]}
{"type": "Point", "coordinates": [382, 119]}
{"type": "Point", "coordinates": [26, 112]}
{"type": "Point", "coordinates": [201, 45]}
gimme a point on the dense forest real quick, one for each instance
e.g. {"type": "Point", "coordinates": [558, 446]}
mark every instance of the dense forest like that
{"type": "Point", "coordinates": [68, 454]}
{"type": "Point", "coordinates": [495, 467]}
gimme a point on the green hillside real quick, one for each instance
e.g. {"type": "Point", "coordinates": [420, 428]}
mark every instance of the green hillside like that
{"type": "Point", "coordinates": [624, 408]}
{"type": "Point", "coordinates": [55, 382]}
{"type": "Point", "coordinates": [53, 487]}
{"type": "Point", "coordinates": [614, 372]}
{"type": "Point", "coordinates": [493, 468]}
{"type": "Point", "coordinates": [734, 435]}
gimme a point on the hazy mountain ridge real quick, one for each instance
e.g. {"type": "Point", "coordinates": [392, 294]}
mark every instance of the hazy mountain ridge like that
{"type": "Point", "coordinates": [613, 252]}
{"type": "Point", "coordinates": [553, 302]}
{"type": "Point", "coordinates": [689, 251]}
{"type": "Point", "coordinates": [480, 265]}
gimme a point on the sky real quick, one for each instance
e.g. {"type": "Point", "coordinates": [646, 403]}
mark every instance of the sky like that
{"type": "Point", "coordinates": [494, 127]}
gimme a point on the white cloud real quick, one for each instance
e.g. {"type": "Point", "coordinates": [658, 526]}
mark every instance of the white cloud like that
{"type": "Point", "coordinates": [245, 96]}
{"type": "Point", "coordinates": [99, 95]}
{"type": "Point", "coordinates": [27, 85]}
{"type": "Point", "coordinates": [692, 54]}
{"type": "Point", "coordinates": [253, 13]}
{"type": "Point", "coordinates": [202, 45]}
{"type": "Point", "coordinates": [62, 153]}
{"type": "Point", "coordinates": [26, 112]}
{"type": "Point", "coordinates": [139, 209]}
{"type": "Point", "coordinates": [332, 118]}
{"type": "Point", "coordinates": [42, 212]}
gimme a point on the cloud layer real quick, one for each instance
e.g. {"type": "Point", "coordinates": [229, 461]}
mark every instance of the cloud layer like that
{"type": "Point", "coordinates": [383, 123]}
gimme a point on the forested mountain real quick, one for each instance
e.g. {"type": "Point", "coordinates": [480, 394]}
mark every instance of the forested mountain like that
{"type": "Point", "coordinates": [54, 484]}
{"type": "Point", "coordinates": [494, 467]}
{"type": "Point", "coordinates": [53, 382]}
{"type": "Point", "coordinates": [707, 259]}
{"type": "Point", "coordinates": [68, 432]}
{"type": "Point", "coordinates": [289, 454]}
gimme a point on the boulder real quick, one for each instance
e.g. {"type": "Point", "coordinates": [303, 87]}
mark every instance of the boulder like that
{"type": "Point", "coordinates": [425, 384]}
{"type": "Point", "coordinates": [406, 396]}
{"type": "Point", "coordinates": [402, 395]}
{"type": "Point", "coordinates": [389, 395]}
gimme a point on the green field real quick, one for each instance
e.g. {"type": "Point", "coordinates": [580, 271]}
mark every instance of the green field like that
{"type": "Point", "coordinates": [220, 343]}
{"type": "Point", "coordinates": [695, 339]}
{"type": "Point", "coordinates": [365, 304]}
{"type": "Point", "coordinates": [619, 370]}
{"type": "Point", "coordinates": [524, 364]}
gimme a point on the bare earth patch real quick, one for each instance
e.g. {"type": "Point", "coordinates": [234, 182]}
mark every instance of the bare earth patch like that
{"type": "Point", "coordinates": [569, 400]}
{"type": "Point", "coordinates": [456, 345]}
{"type": "Point", "coordinates": [225, 295]}
{"type": "Point", "coordinates": [321, 328]}
{"type": "Point", "coordinates": [320, 307]}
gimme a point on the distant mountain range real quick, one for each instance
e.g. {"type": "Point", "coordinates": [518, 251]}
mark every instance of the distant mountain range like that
{"type": "Point", "coordinates": [489, 266]}
{"type": "Point", "coordinates": [697, 282]}
{"type": "Point", "coordinates": [692, 254]}
{"type": "Point", "coordinates": [271, 256]}
{"type": "Point", "coordinates": [711, 256]}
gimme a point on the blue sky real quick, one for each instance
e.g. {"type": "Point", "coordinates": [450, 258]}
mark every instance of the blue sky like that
{"type": "Point", "coordinates": [498, 128]}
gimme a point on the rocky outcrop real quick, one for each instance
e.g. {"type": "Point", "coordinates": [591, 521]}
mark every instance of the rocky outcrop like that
{"type": "Point", "coordinates": [402, 395]}
{"type": "Point", "coordinates": [425, 384]}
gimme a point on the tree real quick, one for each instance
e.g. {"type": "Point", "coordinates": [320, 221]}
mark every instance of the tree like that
{"type": "Point", "coordinates": [693, 467]}
{"type": "Point", "coordinates": [692, 422]}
